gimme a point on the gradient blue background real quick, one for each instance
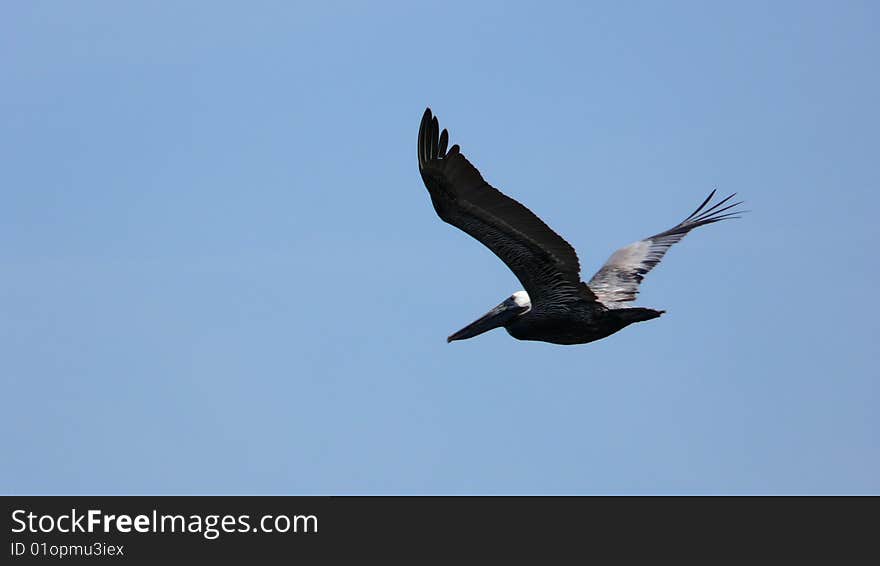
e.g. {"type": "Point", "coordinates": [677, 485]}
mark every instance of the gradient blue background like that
{"type": "Point", "coordinates": [220, 271]}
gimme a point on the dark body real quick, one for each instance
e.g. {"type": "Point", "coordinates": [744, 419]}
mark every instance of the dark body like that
{"type": "Point", "coordinates": [579, 323]}
{"type": "Point", "coordinates": [556, 306]}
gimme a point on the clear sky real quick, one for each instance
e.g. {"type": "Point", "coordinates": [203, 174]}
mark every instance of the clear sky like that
{"type": "Point", "coordinates": [220, 271]}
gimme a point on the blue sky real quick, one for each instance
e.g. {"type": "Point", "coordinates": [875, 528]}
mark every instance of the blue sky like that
{"type": "Point", "coordinates": [220, 271]}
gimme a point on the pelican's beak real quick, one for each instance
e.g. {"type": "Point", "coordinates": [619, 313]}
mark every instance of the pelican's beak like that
{"type": "Point", "coordinates": [499, 316]}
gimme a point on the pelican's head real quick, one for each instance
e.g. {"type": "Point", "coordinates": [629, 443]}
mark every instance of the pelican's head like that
{"type": "Point", "coordinates": [515, 306]}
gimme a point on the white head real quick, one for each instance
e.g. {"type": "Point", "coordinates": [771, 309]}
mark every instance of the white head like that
{"type": "Point", "coordinates": [521, 298]}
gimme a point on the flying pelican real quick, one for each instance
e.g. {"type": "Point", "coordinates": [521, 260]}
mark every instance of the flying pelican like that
{"type": "Point", "coordinates": [556, 306]}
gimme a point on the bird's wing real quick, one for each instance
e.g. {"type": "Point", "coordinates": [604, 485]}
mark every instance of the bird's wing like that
{"type": "Point", "coordinates": [545, 264]}
{"type": "Point", "coordinates": [617, 283]}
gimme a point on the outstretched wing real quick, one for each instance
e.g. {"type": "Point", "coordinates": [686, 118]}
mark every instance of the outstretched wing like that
{"type": "Point", "coordinates": [617, 282]}
{"type": "Point", "coordinates": [545, 264]}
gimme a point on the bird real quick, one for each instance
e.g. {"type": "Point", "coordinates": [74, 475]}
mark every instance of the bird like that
{"type": "Point", "coordinates": [554, 305]}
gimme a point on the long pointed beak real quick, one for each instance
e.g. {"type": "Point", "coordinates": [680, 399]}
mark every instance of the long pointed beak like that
{"type": "Point", "coordinates": [499, 316]}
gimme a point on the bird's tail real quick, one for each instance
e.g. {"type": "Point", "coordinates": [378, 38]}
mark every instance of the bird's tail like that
{"type": "Point", "coordinates": [635, 314]}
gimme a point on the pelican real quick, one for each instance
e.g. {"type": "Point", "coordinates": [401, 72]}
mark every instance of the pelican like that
{"type": "Point", "coordinates": [555, 305]}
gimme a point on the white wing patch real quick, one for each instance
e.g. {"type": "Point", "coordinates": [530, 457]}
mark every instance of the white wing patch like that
{"type": "Point", "coordinates": [616, 284]}
{"type": "Point", "coordinates": [632, 255]}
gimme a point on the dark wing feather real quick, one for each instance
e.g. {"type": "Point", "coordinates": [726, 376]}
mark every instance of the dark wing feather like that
{"type": "Point", "coordinates": [617, 282]}
{"type": "Point", "coordinates": [545, 264]}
